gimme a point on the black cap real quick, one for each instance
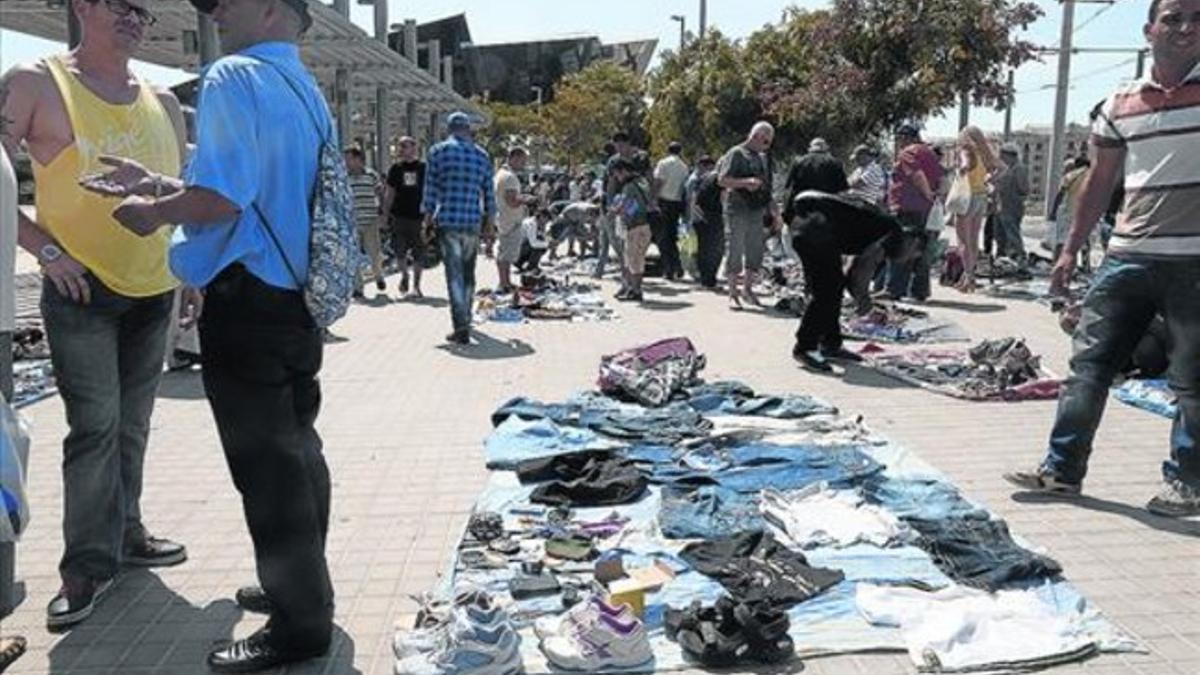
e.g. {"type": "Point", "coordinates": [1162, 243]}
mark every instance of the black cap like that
{"type": "Point", "coordinates": [908, 131]}
{"type": "Point", "coordinates": [301, 6]}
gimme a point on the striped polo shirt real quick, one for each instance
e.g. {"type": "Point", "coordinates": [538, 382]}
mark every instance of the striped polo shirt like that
{"type": "Point", "coordinates": [365, 189]}
{"type": "Point", "coordinates": [1159, 129]}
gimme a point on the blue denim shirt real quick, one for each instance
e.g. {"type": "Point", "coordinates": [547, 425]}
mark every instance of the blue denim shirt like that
{"type": "Point", "coordinates": [257, 143]}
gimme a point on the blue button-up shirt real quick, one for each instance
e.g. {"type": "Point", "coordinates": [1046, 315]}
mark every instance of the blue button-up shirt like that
{"type": "Point", "coordinates": [256, 143]}
{"type": "Point", "coordinates": [458, 185]}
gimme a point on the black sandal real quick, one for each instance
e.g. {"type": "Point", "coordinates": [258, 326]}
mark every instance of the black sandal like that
{"type": "Point", "coordinates": [11, 649]}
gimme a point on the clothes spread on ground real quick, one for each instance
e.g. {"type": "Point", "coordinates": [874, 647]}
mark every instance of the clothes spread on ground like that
{"type": "Point", "coordinates": [896, 323]}
{"type": "Point", "coordinates": [707, 512]}
{"type": "Point", "coordinates": [668, 424]}
{"type": "Point", "coordinates": [33, 375]}
{"type": "Point", "coordinates": [735, 398]}
{"type": "Point", "coordinates": [754, 466]}
{"type": "Point", "coordinates": [541, 296]}
{"type": "Point", "coordinates": [927, 498]}
{"type": "Point", "coordinates": [1150, 395]}
{"type": "Point", "coordinates": [962, 629]}
{"type": "Point", "coordinates": [651, 374]}
{"type": "Point", "coordinates": [820, 516]}
{"type": "Point", "coordinates": [583, 479]}
{"type": "Point", "coordinates": [1001, 369]}
{"type": "Point", "coordinates": [755, 568]}
{"type": "Point", "coordinates": [980, 553]}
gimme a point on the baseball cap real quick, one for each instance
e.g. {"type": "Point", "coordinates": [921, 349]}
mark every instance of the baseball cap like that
{"type": "Point", "coordinates": [818, 145]}
{"type": "Point", "coordinates": [458, 120]}
{"type": "Point", "coordinates": [301, 6]}
{"type": "Point", "coordinates": [908, 131]}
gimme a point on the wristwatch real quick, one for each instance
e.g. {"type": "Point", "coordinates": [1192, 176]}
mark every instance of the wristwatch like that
{"type": "Point", "coordinates": [49, 253]}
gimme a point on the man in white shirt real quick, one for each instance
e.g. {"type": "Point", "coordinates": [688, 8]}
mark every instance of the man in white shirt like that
{"type": "Point", "coordinates": [510, 213]}
{"type": "Point", "coordinates": [670, 178]}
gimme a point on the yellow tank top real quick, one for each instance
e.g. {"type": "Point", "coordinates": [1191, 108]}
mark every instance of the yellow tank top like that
{"type": "Point", "coordinates": [977, 176]}
{"type": "Point", "coordinates": [82, 221]}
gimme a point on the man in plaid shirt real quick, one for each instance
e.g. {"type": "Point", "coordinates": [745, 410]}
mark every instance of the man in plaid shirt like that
{"type": "Point", "coordinates": [459, 198]}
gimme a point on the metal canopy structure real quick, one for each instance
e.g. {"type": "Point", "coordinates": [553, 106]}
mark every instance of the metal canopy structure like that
{"type": "Point", "coordinates": [333, 43]}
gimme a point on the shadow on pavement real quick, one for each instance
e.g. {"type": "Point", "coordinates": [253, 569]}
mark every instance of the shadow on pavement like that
{"type": "Point", "coordinates": [487, 348]}
{"type": "Point", "coordinates": [663, 305]}
{"type": "Point", "coordinates": [1189, 528]}
{"type": "Point", "coordinates": [425, 301]}
{"type": "Point", "coordinates": [379, 300]}
{"type": "Point", "coordinates": [142, 616]}
{"type": "Point", "coordinates": [969, 307]}
{"type": "Point", "coordinates": [862, 376]}
{"type": "Point", "coordinates": [185, 385]}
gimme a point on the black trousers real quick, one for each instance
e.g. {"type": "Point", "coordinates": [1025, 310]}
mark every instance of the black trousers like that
{"type": "Point", "coordinates": [261, 354]}
{"type": "Point", "coordinates": [665, 230]}
{"type": "Point", "coordinates": [710, 245]}
{"type": "Point", "coordinates": [822, 261]}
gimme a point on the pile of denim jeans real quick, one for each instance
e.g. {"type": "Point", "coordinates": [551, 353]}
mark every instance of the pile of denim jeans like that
{"type": "Point", "coordinates": [543, 297]}
{"type": "Point", "coordinates": [712, 495]}
{"type": "Point", "coordinates": [1003, 369]}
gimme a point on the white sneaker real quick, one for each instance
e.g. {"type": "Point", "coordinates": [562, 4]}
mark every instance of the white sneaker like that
{"type": "Point", "coordinates": [461, 622]}
{"type": "Point", "coordinates": [481, 652]}
{"type": "Point", "coordinates": [581, 615]}
{"type": "Point", "coordinates": [605, 644]}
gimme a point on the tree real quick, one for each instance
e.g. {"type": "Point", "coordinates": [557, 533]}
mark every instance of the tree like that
{"type": "Point", "coordinates": [588, 107]}
{"type": "Point", "coordinates": [848, 73]}
{"type": "Point", "coordinates": [511, 125]}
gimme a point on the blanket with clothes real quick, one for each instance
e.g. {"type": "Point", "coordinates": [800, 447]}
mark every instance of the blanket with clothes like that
{"type": "Point", "coordinates": [900, 324]}
{"type": "Point", "coordinates": [700, 528]}
{"type": "Point", "coordinates": [1003, 369]}
{"type": "Point", "coordinates": [543, 297]}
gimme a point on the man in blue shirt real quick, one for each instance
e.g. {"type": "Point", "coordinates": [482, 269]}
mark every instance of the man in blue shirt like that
{"type": "Point", "coordinates": [459, 197]}
{"type": "Point", "coordinates": [260, 122]}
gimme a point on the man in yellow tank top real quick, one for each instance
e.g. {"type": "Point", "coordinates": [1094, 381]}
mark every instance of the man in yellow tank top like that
{"type": "Point", "coordinates": [107, 293]}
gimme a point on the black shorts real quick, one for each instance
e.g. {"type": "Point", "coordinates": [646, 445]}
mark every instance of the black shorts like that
{"type": "Point", "coordinates": [407, 238]}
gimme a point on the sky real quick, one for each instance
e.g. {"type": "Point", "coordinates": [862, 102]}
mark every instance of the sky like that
{"type": "Point", "coordinates": [1116, 24]}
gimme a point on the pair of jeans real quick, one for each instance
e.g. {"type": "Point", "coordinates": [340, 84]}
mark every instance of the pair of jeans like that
{"type": "Point", "coordinates": [459, 249]}
{"type": "Point", "coordinates": [666, 236]}
{"type": "Point", "coordinates": [924, 498]}
{"type": "Point", "coordinates": [710, 247]}
{"type": "Point", "coordinates": [751, 467]}
{"type": "Point", "coordinates": [908, 275]}
{"type": "Point", "coordinates": [1125, 296]}
{"type": "Point", "coordinates": [1009, 241]}
{"type": "Point", "coordinates": [980, 553]}
{"type": "Point", "coordinates": [261, 354]}
{"type": "Point", "coordinates": [107, 357]}
{"type": "Point", "coordinates": [862, 271]}
{"type": "Point", "coordinates": [668, 424]}
{"type": "Point", "coordinates": [822, 260]}
{"type": "Point", "coordinates": [607, 236]}
{"type": "Point", "coordinates": [796, 406]}
{"type": "Point", "coordinates": [707, 512]}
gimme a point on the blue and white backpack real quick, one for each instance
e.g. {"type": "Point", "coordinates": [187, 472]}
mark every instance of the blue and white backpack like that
{"type": "Point", "coordinates": [335, 257]}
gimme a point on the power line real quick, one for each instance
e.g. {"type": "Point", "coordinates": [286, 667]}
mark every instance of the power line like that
{"type": "Point", "coordinates": [1093, 17]}
{"type": "Point", "coordinates": [1081, 76]}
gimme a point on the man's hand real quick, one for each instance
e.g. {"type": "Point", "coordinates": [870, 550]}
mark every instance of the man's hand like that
{"type": "Point", "coordinates": [752, 184]}
{"type": "Point", "coordinates": [191, 305]}
{"type": "Point", "coordinates": [1060, 276]}
{"type": "Point", "coordinates": [126, 179]}
{"type": "Point", "coordinates": [67, 275]}
{"type": "Point", "coordinates": [776, 223]}
{"type": "Point", "coordinates": [138, 215]}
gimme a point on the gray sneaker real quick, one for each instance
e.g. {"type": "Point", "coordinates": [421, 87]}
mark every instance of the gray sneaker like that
{"type": "Point", "coordinates": [1176, 500]}
{"type": "Point", "coordinates": [1042, 480]}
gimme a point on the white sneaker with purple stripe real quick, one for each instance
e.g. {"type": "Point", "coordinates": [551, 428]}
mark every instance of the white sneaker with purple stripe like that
{"type": "Point", "coordinates": [582, 614]}
{"type": "Point", "coordinates": [607, 643]}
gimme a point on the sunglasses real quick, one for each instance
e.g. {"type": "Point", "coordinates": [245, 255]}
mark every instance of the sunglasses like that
{"type": "Point", "coordinates": [122, 8]}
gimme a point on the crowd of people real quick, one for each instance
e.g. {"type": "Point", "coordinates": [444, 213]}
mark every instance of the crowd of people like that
{"type": "Point", "coordinates": [114, 265]}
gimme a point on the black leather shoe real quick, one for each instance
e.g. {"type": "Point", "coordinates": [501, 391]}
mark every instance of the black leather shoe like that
{"type": "Point", "coordinates": [75, 601]}
{"type": "Point", "coordinates": [253, 654]}
{"type": "Point", "coordinates": [253, 599]}
{"type": "Point", "coordinates": [154, 552]}
{"type": "Point", "coordinates": [812, 360]}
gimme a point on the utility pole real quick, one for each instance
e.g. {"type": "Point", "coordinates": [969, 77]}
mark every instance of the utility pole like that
{"type": "Point", "coordinates": [1057, 139]}
{"type": "Point", "coordinates": [703, 17]}
{"type": "Point", "coordinates": [74, 30]}
{"type": "Point", "coordinates": [1141, 62]}
{"type": "Point", "coordinates": [1008, 106]}
{"type": "Point", "coordinates": [682, 29]}
{"type": "Point", "coordinates": [382, 130]}
{"type": "Point", "coordinates": [964, 109]}
{"type": "Point", "coordinates": [537, 148]}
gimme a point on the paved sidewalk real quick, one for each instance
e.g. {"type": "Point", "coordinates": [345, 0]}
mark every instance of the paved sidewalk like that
{"type": "Point", "coordinates": [403, 422]}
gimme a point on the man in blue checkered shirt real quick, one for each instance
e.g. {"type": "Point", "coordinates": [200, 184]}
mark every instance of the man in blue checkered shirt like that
{"type": "Point", "coordinates": [459, 198]}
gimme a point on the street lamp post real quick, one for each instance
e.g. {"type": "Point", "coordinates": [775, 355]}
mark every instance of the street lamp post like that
{"type": "Point", "coordinates": [537, 148]}
{"type": "Point", "coordinates": [682, 29]}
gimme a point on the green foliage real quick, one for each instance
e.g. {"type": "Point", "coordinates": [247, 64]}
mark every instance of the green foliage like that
{"type": "Point", "coordinates": [588, 107]}
{"type": "Point", "coordinates": [511, 125]}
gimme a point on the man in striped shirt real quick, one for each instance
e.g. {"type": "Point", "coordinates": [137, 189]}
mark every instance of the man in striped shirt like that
{"type": "Point", "coordinates": [1151, 129]}
{"type": "Point", "coordinates": [459, 199]}
{"type": "Point", "coordinates": [364, 186]}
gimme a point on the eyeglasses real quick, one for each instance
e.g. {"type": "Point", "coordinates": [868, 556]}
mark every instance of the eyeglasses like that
{"type": "Point", "coordinates": [122, 8]}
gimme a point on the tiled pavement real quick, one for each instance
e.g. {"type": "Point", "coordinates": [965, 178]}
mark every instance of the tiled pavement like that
{"type": "Point", "coordinates": [403, 420]}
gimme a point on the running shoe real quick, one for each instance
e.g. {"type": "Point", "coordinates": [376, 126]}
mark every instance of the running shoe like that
{"type": "Point", "coordinates": [609, 643]}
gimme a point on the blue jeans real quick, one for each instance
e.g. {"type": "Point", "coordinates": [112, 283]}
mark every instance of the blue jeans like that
{"type": "Point", "coordinates": [607, 236]}
{"type": "Point", "coordinates": [1126, 294]}
{"type": "Point", "coordinates": [910, 278]}
{"type": "Point", "coordinates": [1008, 238]}
{"type": "Point", "coordinates": [459, 249]}
{"type": "Point", "coordinates": [107, 357]}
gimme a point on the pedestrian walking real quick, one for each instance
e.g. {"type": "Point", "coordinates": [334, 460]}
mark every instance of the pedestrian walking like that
{"type": "Point", "coordinates": [670, 178]}
{"type": "Point", "coordinates": [402, 203]}
{"type": "Point", "coordinates": [244, 206]}
{"type": "Point", "coordinates": [747, 175]}
{"type": "Point", "coordinates": [632, 208]}
{"type": "Point", "coordinates": [460, 206]}
{"type": "Point", "coordinates": [1152, 266]}
{"type": "Point", "coordinates": [365, 189]}
{"type": "Point", "coordinates": [106, 293]}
